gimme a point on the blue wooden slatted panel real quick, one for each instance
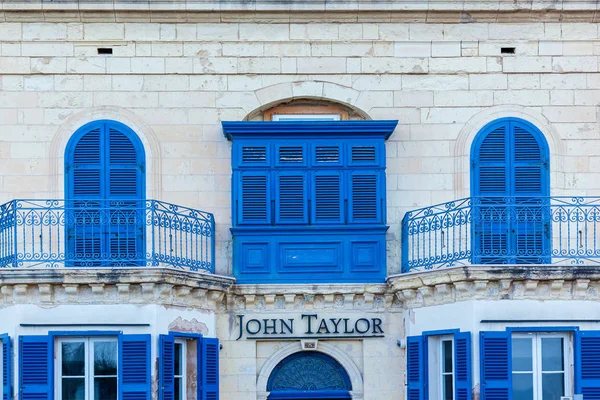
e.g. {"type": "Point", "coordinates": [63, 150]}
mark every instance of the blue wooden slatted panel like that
{"type": "Point", "coordinates": [208, 362]}
{"type": "Point", "coordinates": [462, 360]}
{"type": "Point", "coordinates": [291, 204]}
{"type": "Point", "coordinates": [365, 199]}
{"type": "Point", "coordinates": [134, 367]}
{"type": "Point", "coordinates": [491, 163]}
{"type": "Point", "coordinates": [36, 368]}
{"type": "Point", "coordinates": [415, 368]}
{"type": "Point", "coordinates": [587, 364]}
{"type": "Point", "coordinates": [86, 164]}
{"type": "Point", "coordinates": [7, 379]}
{"type": "Point", "coordinates": [327, 155]}
{"type": "Point", "coordinates": [254, 197]}
{"type": "Point", "coordinates": [166, 373]}
{"type": "Point", "coordinates": [327, 197]}
{"type": "Point", "coordinates": [495, 365]}
{"type": "Point", "coordinates": [290, 154]}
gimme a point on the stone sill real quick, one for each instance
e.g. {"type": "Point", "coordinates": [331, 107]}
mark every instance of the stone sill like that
{"type": "Point", "coordinates": [114, 276]}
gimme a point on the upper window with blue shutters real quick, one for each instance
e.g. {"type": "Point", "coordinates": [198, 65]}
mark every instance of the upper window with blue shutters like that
{"type": "Point", "coordinates": [298, 188]}
{"type": "Point", "coordinates": [105, 187]}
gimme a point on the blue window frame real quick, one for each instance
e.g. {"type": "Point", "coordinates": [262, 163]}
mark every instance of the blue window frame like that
{"type": "Point", "coordinates": [38, 375]}
{"type": "Point", "coordinates": [309, 200]}
{"type": "Point", "coordinates": [105, 189]}
{"type": "Point", "coordinates": [509, 185]}
{"type": "Point", "coordinates": [6, 379]}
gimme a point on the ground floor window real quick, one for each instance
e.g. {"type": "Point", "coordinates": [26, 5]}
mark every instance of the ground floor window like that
{"type": "Point", "coordinates": [539, 366]}
{"type": "Point", "coordinates": [180, 369]}
{"type": "Point", "coordinates": [87, 368]}
{"type": "Point", "coordinates": [441, 367]}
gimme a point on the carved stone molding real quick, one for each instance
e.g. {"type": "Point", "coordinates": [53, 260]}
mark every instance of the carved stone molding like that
{"type": "Point", "coordinates": [113, 286]}
{"type": "Point", "coordinates": [496, 282]}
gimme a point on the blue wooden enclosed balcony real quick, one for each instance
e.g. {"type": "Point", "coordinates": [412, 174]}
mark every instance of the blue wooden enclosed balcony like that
{"type": "Point", "coordinates": [502, 230]}
{"type": "Point", "coordinates": [105, 233]}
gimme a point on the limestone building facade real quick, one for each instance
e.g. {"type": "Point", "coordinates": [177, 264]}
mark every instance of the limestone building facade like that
{"type": "Point", "coordinates": [252, 200]}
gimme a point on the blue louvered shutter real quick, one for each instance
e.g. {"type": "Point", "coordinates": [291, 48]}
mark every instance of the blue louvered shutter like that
{"type": "Point", "coordinates": [124, 183]}
{"type": "Point", "coordinates": [491, 185]}
{"type": "Point", "coordinates": [365, 197]}
{"type": "Point", "coordinates": [6, 377]}
{"type": "Point", "coordinates": [327, 203]}
{"type": "Point", "coordinates": [415, 368]}
{"type": "Point", "coordinates": [166, 368]}
{"type": "Point", "coordinates": [84, 168]}
{"type": "Point", "coordinates": [208, 363]}
{"type": "Point", "coordinates": [36, 368]}
{"type": "Point", "coordinates": [587, 364]}
{"type": "Point", "coordinates": [291, 202]}
{"type": "Point", "coordinates": [254, 197]}
{"type": "Point", "coordinates": [495, 365]}
{"type": "Point", "coordinates": [361, 153]}
{"type": "Point", "coordinates": [531, 214]}
{"type": "Point", "coordinates": [462, 361]}
{"type": "Point", "coordinates": [134, 367]}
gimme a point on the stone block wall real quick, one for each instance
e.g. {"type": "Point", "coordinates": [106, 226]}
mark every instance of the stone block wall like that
{"type": "Point", "coordinates": [174, 82]}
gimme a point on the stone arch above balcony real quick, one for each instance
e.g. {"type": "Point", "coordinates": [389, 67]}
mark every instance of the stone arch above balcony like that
{"type": "Point", "coordinates": [318, 91]}
{"type": "Point", "coordinates": [462, 147]}
{"type": "Point", "coordinates": [145, 133]}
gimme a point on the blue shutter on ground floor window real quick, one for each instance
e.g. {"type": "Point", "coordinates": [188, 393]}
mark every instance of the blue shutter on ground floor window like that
{"type": "Point", "coordinates": [208, 365]}
{"type": "Point", "coordinates": [6, 377]}
{"type": "Point", "coordinates": [134, 367]}
{"type": "Point", "coordinates": [495, 365]}
{"type": "Point", "coordinates": [462, 360]}
{"type": "Point", "coordinates": [166, 367]}
{"type": "Point", "coordinates": [415, 367]}
{"type": "Point", "coordinates": [587, 364]}
{"type": "Point", "coordinates": [36, 368]}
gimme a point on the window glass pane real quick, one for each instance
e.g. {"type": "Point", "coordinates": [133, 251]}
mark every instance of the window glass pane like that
{"type": "Point", "coordinates": [105, 389]}
{"type": "Point", "coordinates": [73, 359]}
{"type": "Point", "coordinates": [178, 392]}
{"type": "Point", "coordinates": [522, 359]}
{"type": "Point", "coordinates": [448, 389]}
{"type": "Point", "coordinates": [553, 386]}
{"type": "Point", "coordinates": [447, 355]}
{"type": "Point", "coordinates": [522, 386]}
{"type": "Point", "coordinates": [73, 389]}
{"type": "Point", "coordinates": [105, 358]}
{"type": "Point", "coordinates": [178, 349]}
{"type": "Point", "coordinates": [552, 354]}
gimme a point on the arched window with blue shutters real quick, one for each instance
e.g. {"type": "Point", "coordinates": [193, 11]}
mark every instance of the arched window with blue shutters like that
{"type": "Point", "coordinates": [509, 184]}
{"type": "Point", "coordinates": [105, 190]}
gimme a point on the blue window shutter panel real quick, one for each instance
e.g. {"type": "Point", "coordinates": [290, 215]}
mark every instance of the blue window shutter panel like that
{"type": "Point", "coordinates": [291, 198]}
{"type": "Point", "coordinates": [254, 197]}
{"type": "Point", "coordinates": [462, 361]}
{"type": "Point", "coordinates": [36, 378]}
{"type": "Point", "coordinates": [208, 364]}
{"type": "Point", "coordinates": [495, 365]}
{"type": "Point", "coordinates": [415, 368]}
{"type": "Point", "coordinates": [134, 367]}
{"type": "Point", "coordinates": [166, 368]}
{"type": "Point", "coordinates": [327, 205]}
{"type": "Point", "coordinates": [363, 153]}
{"type": "Point", "coordinates": [364, 197]}
{"type": "Point", "coordinates": [587, 364]}
{"type": "Point", "coordinates": [6, 367]}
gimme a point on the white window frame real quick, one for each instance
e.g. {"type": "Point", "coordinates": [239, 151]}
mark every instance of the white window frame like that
{"type": "Point", "coordinates": [436, 366]}
{"type": "Point", "coordinates": [568, 360]}
{"type": "Point", "coordinates": [89, 362]}
{"type": "Point", "coordinates": [289, 117]}
{"type": "Point", "coordinates": [183, 376]}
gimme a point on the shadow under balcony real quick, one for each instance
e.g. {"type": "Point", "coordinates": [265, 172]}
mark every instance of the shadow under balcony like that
{"type": "Point", "coordinates": [105, 234]}
{"type": "Point", "coordinates": [501, 231]}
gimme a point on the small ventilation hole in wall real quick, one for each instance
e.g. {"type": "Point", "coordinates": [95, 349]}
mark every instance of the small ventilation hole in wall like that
{"type": "Point", "coordinates": [104, 50]}
{"type": "Point", "coordinates": [507, 50]}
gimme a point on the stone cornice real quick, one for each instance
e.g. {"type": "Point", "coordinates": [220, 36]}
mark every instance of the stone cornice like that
{"type": "Point", "coordinates": [109, 286]}
{"type": "Point", "coordinates": [298, 11]}
{"type": "Point", "coordinates": [497, 282]}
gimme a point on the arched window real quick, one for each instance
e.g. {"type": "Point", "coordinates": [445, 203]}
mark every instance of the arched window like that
{"type": "Point", "coordinates": [509, 186]}
{"type": "Point", "coordinates": [105, 189]}
{"type": "Point", "coordinates": [309, 375]}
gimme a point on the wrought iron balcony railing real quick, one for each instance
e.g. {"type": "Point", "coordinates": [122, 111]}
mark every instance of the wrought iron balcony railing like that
{"type": "Point", "coordinates": [105, 233]}
{"type": "Point", "coordinates": [502, 230]}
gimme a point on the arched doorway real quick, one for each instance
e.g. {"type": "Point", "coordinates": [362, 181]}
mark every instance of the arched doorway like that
{"type": "Point", "coordinates": [309, 375]}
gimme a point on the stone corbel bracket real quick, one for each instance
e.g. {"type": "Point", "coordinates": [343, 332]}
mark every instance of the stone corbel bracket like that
{"type": "Point", "coordinates": [496, 282]}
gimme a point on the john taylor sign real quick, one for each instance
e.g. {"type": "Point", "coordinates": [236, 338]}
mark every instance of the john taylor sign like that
{"type": "Point", "coordinates": [308, 326]}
